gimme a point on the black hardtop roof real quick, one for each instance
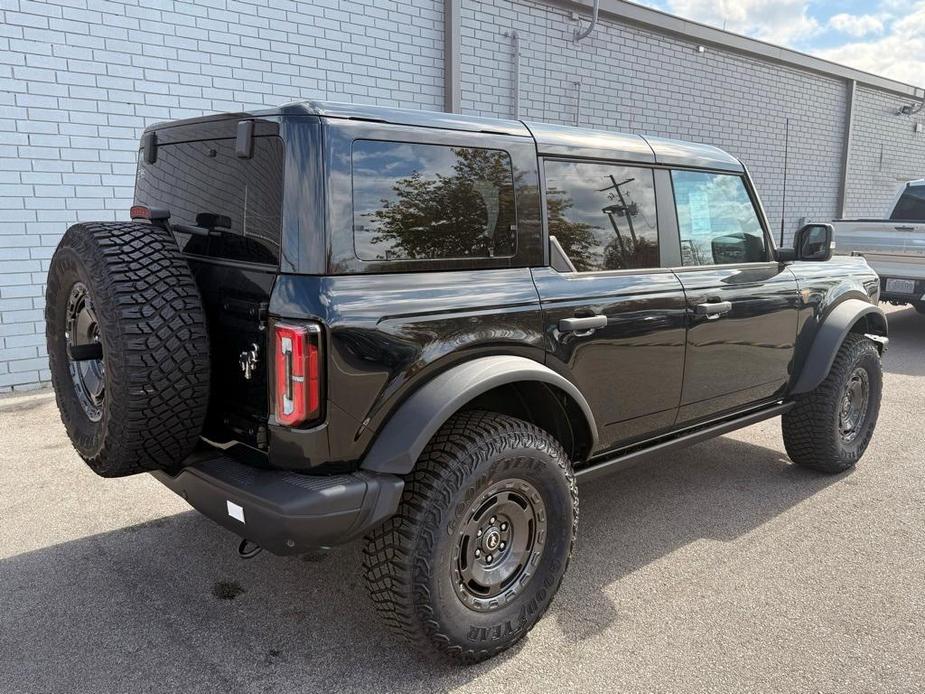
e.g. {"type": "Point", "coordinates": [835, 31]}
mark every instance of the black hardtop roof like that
{"type": "Point", "coordinates": [551, 140]}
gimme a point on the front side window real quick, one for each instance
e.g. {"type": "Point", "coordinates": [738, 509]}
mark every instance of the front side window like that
{"type": "Point", "coordinates": [415, 202]}
{"type": "Point", "coordinates": [717, 220]}
{"type": "Point", "coordinates": [603, 215]}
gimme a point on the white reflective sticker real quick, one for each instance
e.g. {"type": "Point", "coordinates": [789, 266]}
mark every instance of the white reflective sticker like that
{"type": "Point", "coordinates": [235, 511]}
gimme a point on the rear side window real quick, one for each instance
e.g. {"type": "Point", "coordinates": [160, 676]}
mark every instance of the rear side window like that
{"type": "Point", "coordinates": [717, 220]}
{"type": "Point", "coordinates": [911, 205]}
{"type": "Point", "coordinates": [602, 215]}
{"type": "Point", "coordinates": [416, 201]}
{"type": "Point", "coordinates": [204, 184]}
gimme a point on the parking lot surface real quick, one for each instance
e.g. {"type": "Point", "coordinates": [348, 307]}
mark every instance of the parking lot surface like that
{"type": "Point", "coordinates": [722, 567]}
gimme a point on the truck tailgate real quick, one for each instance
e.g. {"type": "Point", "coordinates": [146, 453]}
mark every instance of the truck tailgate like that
{"type": "Point", "coordinates": [880, 237]}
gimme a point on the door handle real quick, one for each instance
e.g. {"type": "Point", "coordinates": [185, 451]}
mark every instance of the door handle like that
{"type": "Point", "coordinates": [582, 325]}
{"type": "Point", "coordinates": [904, 228]}
{"type": "Point", "coordinates": [713, 310]}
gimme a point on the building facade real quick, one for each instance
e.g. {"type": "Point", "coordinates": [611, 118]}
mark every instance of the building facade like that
{"type": "Point", "coordinates": [79, 79]}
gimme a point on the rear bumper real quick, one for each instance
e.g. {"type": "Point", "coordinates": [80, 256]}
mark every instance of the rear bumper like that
{"type": "Point", "coordinates": [285, 512]}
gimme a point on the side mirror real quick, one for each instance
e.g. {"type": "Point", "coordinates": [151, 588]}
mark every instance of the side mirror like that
{"type": "Point", "coordinates": [786, 255]}
{"type": "Point", "coordinates": [814, 242]}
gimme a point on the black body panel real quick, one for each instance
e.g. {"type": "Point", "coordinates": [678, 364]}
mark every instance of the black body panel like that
{"type": "Point", "coordinates": [743, 356]}
{"type": "Point", "coordinates": [388, 334]}
{"type": "Point", "coordinates": [630, 371]}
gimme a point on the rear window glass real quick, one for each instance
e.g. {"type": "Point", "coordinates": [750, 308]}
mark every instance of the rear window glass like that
{"type": "Point", "coordinates": [911, 205]}
{"type": "Point", "coordinates": [414, 201]}
{"type": "Point", "coordinates": [204, 184]}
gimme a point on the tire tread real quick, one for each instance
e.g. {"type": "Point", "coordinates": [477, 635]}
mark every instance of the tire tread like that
{"type": "Point", "coordinates": [396, 556]}
{"type": "Point", "coordinates": [155, 340]}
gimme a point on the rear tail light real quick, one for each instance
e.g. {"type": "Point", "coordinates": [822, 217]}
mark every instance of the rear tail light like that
{"type": "Point", "coordinates": [298, 373]}
{"type": "Point", "coordinates": [153, 214]}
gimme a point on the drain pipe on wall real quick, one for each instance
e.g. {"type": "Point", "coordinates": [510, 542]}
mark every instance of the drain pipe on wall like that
{"type": "Point", "coordinates": [579, 35]}
{"type": "Point", "coordinates": [515, 39]}
{"type": "Point", "coordinates": [582, 33]}
{"type": "Point", "coordinates": [578, 102]}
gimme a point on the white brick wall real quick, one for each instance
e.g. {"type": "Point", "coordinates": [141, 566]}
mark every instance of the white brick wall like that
{"type": "Point", "coordinates": [885, 152]}
{"type": "Point", "coordinates": [79, 79]}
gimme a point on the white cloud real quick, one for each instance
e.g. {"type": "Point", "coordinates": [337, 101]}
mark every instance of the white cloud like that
{"type": "Point", "coordinates": [856, 25]}
{"type": "Point", "coordinates": [899, 54]}
{"type": "Point", "coordinates": [778, 21]}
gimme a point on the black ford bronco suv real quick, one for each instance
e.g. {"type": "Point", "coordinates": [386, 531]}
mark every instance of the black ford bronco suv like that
{"type": "Point", "coordinates": [329, 321]}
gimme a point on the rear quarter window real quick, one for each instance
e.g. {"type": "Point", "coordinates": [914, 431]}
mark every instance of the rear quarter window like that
{"type": "Point", "coordinates": [424, 202]}
{"type": "Point", "coordinates": [204, 181]}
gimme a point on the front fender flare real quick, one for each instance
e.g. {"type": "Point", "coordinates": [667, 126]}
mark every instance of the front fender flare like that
{"type": "Point", "coordinates": [406, 433]}
{"type": "Point", "coordinates": [829, 337]}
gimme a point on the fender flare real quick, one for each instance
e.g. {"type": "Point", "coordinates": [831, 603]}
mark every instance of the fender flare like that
{"type": "Point", "coordinates": [406, 433]}
{"type": "Point", "coordinates": [829, 337]}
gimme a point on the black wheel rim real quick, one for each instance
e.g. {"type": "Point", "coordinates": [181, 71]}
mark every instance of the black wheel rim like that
{"type": "Point", "coordinates": [854, 405]}
{"type": "Point", "coordinates": [499, 544]}
{"type": "Point", "coordinates": [82, 330]}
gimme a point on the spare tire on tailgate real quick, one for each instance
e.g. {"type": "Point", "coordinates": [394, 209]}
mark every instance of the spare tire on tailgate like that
{"type": "Point", "coordinates": [127, 346]}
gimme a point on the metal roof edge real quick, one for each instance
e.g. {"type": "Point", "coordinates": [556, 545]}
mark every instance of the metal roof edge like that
{"type": "Point", "coordinates": [657, 20]}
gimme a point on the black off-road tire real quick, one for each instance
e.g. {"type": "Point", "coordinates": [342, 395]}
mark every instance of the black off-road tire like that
{"type": "Point", "coordinates": [155, 349]}
{"type": "Point", "coordinates": [409, 561]}
{"type": "Point", "coordinates": [811, 430]}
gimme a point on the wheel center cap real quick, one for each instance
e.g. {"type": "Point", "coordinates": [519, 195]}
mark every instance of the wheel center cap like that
{"type": "Point", "coordinates": [492, 539]}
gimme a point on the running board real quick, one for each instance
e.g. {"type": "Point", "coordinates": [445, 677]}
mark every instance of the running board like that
{"type": "Point", "coordinates": [625, 459]}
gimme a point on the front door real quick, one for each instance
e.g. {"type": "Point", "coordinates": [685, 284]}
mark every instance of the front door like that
{"type": "Point", "coordinates": [615, 326]}
{"type": "Point", "coordinates": [743, 305]}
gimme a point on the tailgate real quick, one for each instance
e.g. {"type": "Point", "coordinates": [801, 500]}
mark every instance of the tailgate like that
{"type": "Point", "coordinates": [880, 237]}
{"type": "Point", "coordinates": [897, 266]}
{"type": "Point", "coordinates": [236, 302]}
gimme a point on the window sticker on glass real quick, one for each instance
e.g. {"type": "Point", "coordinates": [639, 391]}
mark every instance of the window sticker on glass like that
{"type": "Point", "coordinates": [717, 221]}
{"type": "Point", "coordinates": [699, 206]}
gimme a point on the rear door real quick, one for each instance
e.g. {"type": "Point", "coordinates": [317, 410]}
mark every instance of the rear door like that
{"type": "Point", "coordinates": [743, 305]}
{"type": "Point", "coordinates": [614, 326]}
{"type": "Point", "coordinates": [225, 211]}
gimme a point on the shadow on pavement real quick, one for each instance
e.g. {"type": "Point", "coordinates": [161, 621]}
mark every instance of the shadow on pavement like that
{"type": "Point", "coordinates": [906, 355]}
{"type": "Point", "coordinates": [168, 606]}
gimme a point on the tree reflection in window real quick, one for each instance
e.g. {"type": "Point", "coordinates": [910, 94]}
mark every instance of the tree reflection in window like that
{"type": "Point", "coordinates": [414, 201]}
{"type": "Point", "coordinates": [603, 215]}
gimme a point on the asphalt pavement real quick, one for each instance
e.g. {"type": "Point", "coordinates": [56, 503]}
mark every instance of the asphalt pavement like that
{"type": "Point", "coordinates": [721, 567]}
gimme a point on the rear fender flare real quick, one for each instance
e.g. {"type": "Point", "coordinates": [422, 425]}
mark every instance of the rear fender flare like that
{"type": "Point", "coordinates": [829, 336]}
{"type": "Point", "coordinates": [399, 444]}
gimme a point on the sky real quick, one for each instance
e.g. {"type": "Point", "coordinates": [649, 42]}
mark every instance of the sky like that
{"type": "Point", "coordinates": [885, 37]}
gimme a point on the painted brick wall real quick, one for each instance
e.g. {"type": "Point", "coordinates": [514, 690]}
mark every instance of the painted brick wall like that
{"type": "Point", "coordinates": [885, 152]}
{"type": "Point", "coordinates": [79, 79]}
{"type": "Point", "coordinates": [636, 80]}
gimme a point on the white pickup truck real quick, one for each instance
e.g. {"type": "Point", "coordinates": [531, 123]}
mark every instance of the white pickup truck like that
{"type": "Point", "coordinates": [894, 247]}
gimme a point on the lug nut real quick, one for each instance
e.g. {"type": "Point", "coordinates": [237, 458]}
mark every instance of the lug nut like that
{"type": "Point", "coordinates": [504, 526]}
{"type": "Point", "coordinates": [488, 559]}
{"type": "Point", "coordinates": [479, 533]}
{"type": "Point", "coordinates": [478, 553]}
{"type": "Point", "coordinates": [492, 520]}
{"type": "Point", "coordinates": [501, 546]}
